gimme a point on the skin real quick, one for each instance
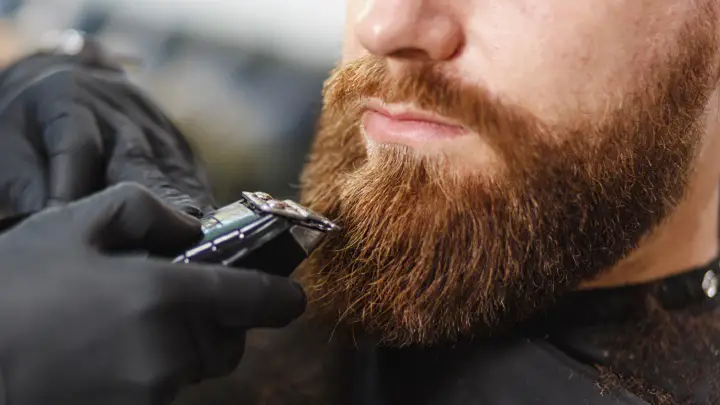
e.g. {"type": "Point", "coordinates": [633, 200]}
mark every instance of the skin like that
{"type": "Point", "coordinates": [556, 59]}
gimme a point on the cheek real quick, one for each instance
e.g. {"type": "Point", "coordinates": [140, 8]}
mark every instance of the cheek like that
{"type": "Point", "coordinates": [557, 57]}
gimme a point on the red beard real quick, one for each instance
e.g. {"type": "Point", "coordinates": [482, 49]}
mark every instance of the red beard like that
{"type": "Point", "coordinates": [428, 253]}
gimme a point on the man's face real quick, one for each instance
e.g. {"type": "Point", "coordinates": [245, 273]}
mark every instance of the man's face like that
{"type": "Point", "coordinates": [483, 156]}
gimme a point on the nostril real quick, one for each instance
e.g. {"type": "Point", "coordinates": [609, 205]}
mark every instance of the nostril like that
{"type": "Point", "coordinates": [411, 54]}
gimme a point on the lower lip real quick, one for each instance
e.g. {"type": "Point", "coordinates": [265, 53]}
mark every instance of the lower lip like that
{"type": "Point", "coordinates": [385, 129]}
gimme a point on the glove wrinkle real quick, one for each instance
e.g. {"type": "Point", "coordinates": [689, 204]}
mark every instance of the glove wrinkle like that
{"type": "Point", "coordinates": [70, 114]}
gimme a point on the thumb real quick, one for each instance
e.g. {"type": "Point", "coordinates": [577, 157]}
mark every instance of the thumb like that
{"type": "Point", "coordinates": [235, 298]}
{"type": "Point", "coordinates": [129, 217]}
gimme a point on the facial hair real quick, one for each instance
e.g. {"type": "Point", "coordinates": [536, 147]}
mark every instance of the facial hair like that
{"type": "Point", "coordinates": [429, 253]}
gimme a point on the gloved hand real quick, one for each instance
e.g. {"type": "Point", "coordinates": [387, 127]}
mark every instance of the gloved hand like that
{"type": "Point", "coordinates": [71, 125]}
{"type": "Point", "coordinates": [85, 321]}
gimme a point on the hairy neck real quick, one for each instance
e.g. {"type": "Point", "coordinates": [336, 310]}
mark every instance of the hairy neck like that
{"type": "Point", "coordinates": [689, 237]}
{"type": "Point", "coordinates": [685, 242]}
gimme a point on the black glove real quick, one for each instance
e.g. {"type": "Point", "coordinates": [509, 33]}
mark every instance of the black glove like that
{"type": "Point", "coordinates": [84, 320]}
{"type": "Point", "coordinates": [71, 126]}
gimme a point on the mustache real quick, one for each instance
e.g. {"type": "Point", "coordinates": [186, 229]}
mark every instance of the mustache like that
{"type": "Point", "coordinates": [510, 129]}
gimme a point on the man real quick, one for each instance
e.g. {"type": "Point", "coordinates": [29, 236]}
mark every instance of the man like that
{"type": "Point", "coordinates": [528, 192]}
{"type": "Point", "coordinates": [529, 198]}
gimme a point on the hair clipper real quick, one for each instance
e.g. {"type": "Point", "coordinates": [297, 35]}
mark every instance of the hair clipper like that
{"type": "Point", "coordinates": [261, 233]}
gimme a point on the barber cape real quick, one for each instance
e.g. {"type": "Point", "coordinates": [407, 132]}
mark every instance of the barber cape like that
{"type": "Point", "coordinates": [576, 353]}
{"type": "Point", "coordinates": [512, 372]}
{"type": "Point", "coordinates": [654, 343]}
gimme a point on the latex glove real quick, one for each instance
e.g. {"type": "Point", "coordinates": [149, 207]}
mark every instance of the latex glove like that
{"type": "Point", "coordinates": [84, 320]}
{"type": "Point", "coordinates": [71, 126]}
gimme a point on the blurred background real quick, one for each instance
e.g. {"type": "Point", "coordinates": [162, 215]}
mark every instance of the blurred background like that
{"type": "Point", "coordinates": [242, 78]}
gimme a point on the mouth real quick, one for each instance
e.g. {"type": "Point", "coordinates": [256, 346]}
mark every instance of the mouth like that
{"type": "Point", "coordinates": [404, 124]}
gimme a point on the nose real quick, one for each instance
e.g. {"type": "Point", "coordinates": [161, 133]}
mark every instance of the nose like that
{"type": "Point", "coordinates": [419, 30]}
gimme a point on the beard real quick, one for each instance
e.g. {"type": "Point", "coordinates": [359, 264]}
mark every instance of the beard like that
{"type": "Point", "coordinates": [430, 253]}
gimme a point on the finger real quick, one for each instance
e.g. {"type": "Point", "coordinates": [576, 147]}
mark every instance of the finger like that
{"type": "Point", "coordinates": [172, 154]}
{"type": "Point", "coordinates": [22, 176]}
{"type": "Point", "coordinates": [143, 171]}
{"type": "Point", "coordinates": [176, 156]}
{"type": "Point", "coordinates": [24, 193]}
{"type": "Point", "coordinates": [132, 160]}
{"type": "Point", "coordinates": [128, 217]}
{"type": "Point", "coordinates": [72, 140]}
{"type": "Point", "coordinates": [194, 181]}
{"type": "Point", "coordinates": [234, 298]}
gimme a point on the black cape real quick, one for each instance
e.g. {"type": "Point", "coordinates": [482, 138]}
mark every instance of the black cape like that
{"type": "Point", "coordinates": [562, 356]}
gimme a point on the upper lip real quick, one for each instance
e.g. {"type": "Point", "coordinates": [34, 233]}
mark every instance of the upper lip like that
{"type": "Point", "coordinates": [407, 113]}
